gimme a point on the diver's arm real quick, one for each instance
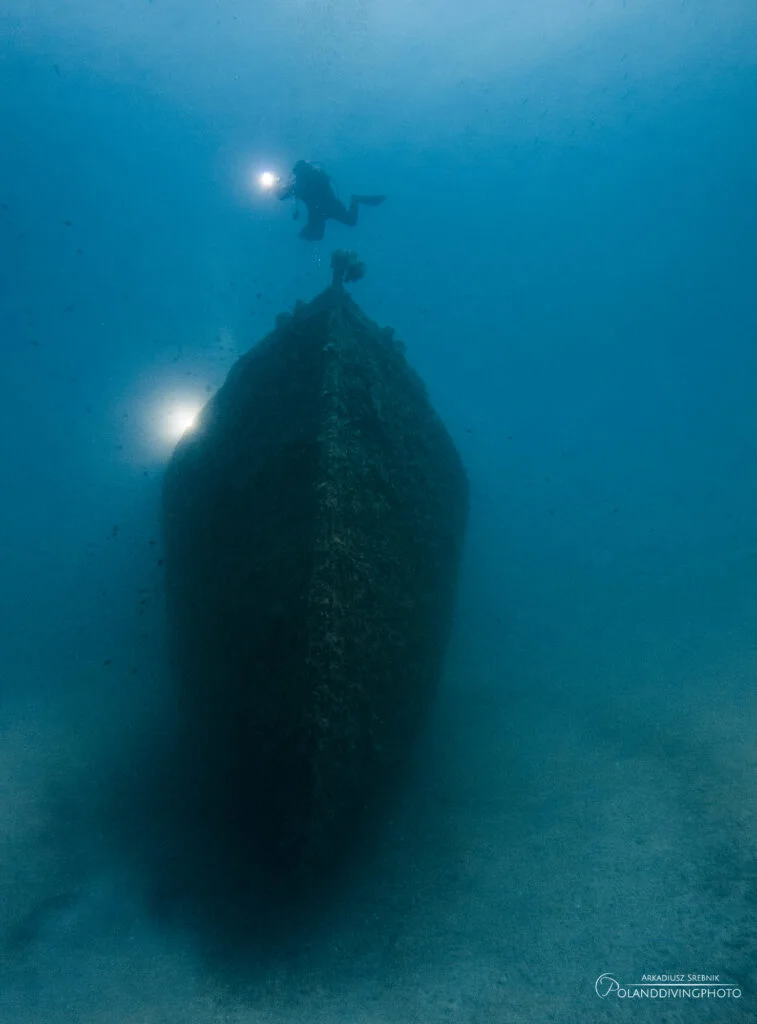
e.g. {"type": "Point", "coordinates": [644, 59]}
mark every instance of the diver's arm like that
{"type": "Point", "coordinates": [286, 190]}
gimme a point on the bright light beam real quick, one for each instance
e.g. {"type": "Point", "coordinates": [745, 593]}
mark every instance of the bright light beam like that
{"type": "Point", "coordinates": [267, 180]}
{"type": "Point", "coordinates": [179, 419]}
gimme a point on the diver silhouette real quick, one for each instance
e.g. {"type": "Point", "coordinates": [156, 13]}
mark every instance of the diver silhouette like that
{"type": "Point", "coordinates": [312, 186]}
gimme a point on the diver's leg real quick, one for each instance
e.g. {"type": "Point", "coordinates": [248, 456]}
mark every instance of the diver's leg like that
{"type": "Point", "coordinates": [369, 200]}
{"type": "Point", "coordinates": [339, 212]}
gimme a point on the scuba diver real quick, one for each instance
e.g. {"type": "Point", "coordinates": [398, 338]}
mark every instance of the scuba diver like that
{"type": "Point", "coordinates": [313, 187]}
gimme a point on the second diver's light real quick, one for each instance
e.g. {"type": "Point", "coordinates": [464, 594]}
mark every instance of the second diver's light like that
{"type": "Point", "coordinates": [179, 419]}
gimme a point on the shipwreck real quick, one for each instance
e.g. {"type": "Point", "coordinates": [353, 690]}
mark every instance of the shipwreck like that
{"type": "Point", "coordinates": [313, 523]}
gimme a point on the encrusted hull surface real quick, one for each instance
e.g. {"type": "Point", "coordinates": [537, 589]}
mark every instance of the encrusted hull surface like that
{"type": "Point", "coordinates": [313, 524]}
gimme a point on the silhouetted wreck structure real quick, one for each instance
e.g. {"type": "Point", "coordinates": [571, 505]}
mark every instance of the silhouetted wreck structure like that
{"type": "Point", "coordinates": [314, 522]}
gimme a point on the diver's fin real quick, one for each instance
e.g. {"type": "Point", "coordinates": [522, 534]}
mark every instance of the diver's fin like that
{"type": "Point", "coordinates": [314, 229]}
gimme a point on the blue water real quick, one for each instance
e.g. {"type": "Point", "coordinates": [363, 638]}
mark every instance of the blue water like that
{"type": "Point", "coordinates": [569, 252]}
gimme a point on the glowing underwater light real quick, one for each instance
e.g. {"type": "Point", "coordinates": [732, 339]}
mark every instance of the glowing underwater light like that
{"type": "Point", "coordinates": [267, 179]}
{"type": "Point", "coordinates": [179, 419]}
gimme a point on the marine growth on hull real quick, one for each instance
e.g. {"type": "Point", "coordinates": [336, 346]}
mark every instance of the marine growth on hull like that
{"type": "Point", "coordinates": [314, 522]}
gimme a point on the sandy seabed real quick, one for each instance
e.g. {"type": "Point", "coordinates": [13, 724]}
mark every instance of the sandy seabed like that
{"type": "Point", "coordinates": [601, 821]}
